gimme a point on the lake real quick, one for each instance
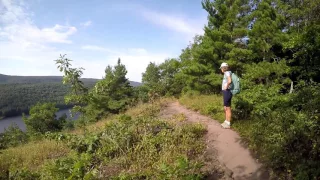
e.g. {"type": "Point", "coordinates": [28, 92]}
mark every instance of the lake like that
{"type": "Point", "coordinates": [6, 122]}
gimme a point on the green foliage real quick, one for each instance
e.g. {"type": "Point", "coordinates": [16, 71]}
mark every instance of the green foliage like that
{"type": "Point", "coordinates": [19, 93]}
{"type": "Point", "coordinates": [79, 92]}
{"type": "Point", "coordinates": [72, 167]}
{"type": "Point", "coordinates": [23, 162]}
{"type": "Point", "coordinates": [180, 169]}
{"type": "Point", "coordinates": [113, 93]}
{"type": "Point", "coordinates": [151, 78]}
{"type": "Point", "coordinates": [141, 94]}
{"type": "Point", "coordinates": [274, 47]}
{"type": "Point", "coordinates": [132, 147]}
{"type": "Point", "coordinates": [266, 34]}
{"type": "Point", "coordinates": [110, 95]}
{"type": "Point", "coordinates": [12, 137]}
{"type": "Point", "coordinates": [283, 129]}
{"type": "Point", "coordinates": [164, 79]}
{"type": "Point", "coordinates": [205, 104]}
{"type": "Point", "coordinates": [171, 81]}
{"type": "Point", "coordinates": [302, 49]}
{"type": "Point", "coordinates": [43, 118]}
{"type": "Point", "coordinates": [23, 174]}
{"type": "Point", "coordinates": [18, 98]}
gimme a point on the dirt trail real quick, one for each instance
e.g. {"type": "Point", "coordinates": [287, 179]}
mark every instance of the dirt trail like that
{"type": "Point", "coordinates": [225, 143]}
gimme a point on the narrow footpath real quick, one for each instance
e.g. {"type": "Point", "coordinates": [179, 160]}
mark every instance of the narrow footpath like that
{"type": "Point", "coordinates": [226, 144]}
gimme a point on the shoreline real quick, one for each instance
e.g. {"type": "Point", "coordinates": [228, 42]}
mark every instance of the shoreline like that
{"type": "Point", "coordinates": [5, 117]}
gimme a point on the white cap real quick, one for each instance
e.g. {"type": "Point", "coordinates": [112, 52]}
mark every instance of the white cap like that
{"type": "Point", "coordinates": [224, 65]}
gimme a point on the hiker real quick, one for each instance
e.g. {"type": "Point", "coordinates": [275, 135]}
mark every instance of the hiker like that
{"type": "Point", "coordinates": [227, 95]}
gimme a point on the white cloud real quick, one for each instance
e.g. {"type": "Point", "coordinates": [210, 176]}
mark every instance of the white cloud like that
{"type": "Point", "coordinates": [86, 24]}
{"type": "Point", "coordinates": [140, 51]}
{"type": "Point", "coordinates": [95, 48]}
{"type": "Point", "coordinates": [27, 49]}
{"type": "Point", "coordinates": [17, 27]}
{"type": "Point", "coordinates": [136, 61]}
{"type": "Point", "coordinates": [174, 22]}
{"type": "Point", "coordinates": [11, 11]}
{"type": "Point", "coordinates": [135, 51]}
{"type": "Point", "coordinates": [29, 34]}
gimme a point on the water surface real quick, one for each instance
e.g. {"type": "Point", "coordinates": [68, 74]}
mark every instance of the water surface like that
{"type": "Point", "coordinates": [6, 122]}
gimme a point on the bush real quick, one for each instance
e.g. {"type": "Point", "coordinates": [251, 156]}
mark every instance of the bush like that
{"type": "Point", "coordinates": [43, 118]}
{"type": "Point", "coordinates": [206, 104]}
{"type": "Point", "coordinates": [132, 148]}
{"type": "Point", "coordinates": [28, 159]}
{"type": "Point", "coordinates": [76, 166]}
{"type": "Point", "coordinates": [284, 129]}
{"type": "Point", "coordinates": [12, 136]}
{"type": "Point", "coordinates": [289, 141]}
{"type": "Point", "coordinates": [24, 174]}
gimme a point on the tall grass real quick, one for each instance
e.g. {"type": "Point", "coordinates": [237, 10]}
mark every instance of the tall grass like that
{"type": "Point", "coordinates": [134, 145]}
{"type": "Point", "coordinates": [210, 105]}
{"type": "Point", "coordinates": [30, 156]}
{"type": "Point", "coordinates": [285, 139]}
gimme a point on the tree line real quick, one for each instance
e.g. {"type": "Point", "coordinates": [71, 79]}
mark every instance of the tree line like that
{"type": "Point", "coordinates": [19, 98]}
{"type": "Point", "coordinates": [19, 93]}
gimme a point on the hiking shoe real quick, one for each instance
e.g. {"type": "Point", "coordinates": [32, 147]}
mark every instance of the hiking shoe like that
{"type": "Point", "coordinates": [225, 125]}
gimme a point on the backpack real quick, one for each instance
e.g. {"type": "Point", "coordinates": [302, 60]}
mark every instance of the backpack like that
{"type": "Point", "coordinates": [235, 84]}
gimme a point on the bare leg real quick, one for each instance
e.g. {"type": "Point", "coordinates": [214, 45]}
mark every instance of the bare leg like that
{"type": "Point", "coordinates": [225, 112]}
{"type": "Point", "coordinates": [228, 113]}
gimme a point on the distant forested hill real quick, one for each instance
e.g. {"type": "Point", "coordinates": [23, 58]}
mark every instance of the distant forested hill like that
{"type": "Point", "coordinates": [5, 79]}
{"type": "Point", "coordinates": [19, 93]}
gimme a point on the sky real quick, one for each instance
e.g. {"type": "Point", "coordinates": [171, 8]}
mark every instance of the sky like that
{"type": "Point", "coordinates": [94, 34]}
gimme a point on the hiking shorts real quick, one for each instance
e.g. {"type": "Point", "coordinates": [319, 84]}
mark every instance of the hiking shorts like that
{"type": "Point", "coordinates": [227, 96]}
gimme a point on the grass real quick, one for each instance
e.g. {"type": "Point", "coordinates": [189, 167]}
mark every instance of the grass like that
{"type": "Point", "coordinates": [284, 138]}
{"type": "Point", "coordinates": [179, 117]}
{"type": "Point", "coordinates": [31, 155]}
{"type": "Point", "coordinates": [142, 109]}
{"type": "Point", "coordinates": [210, 105]}
{"type": "Point", "coordinates": [139, 145]}
{"type": "Point", "coordinates": [134, 145]}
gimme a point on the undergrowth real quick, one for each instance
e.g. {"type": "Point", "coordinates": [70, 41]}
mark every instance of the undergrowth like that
{"type": "Point", "coordinates": [285, 139]}
{"type": "Point", "coordinates": [135, 145]}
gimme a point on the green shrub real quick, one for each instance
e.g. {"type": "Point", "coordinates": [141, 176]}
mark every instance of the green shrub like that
{"type": "Point", "coordinates": [284, 129]}
{"type": "Point", "coordinates": [72, 167]}
{"type": "Point", "coordinates": [43, 119]}
{"type": "Point", "coordinates": [141, 147]}
{"type": "Point", "coordinates": [26, 160]}
{"type": "Point", "coordinates": [12, 136]}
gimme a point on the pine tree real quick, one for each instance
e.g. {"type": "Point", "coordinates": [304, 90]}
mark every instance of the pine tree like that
{"type": "Point", "coordinates": [224, 41]}
{"type": "Point", "coordinates": [151, 78]}
{"type": "Point", "coordinates": [172, 84]}
{"type": "Point", "coordinates": [196, 66]}
{"type": "Point", "coordinates": [43, 118]}
{"type": "Point", "coordinates": [113, 93]}
{"type": "Point", "coordinates": [303, 47]}
{"type": "Point", "coordinates": [266, 33]}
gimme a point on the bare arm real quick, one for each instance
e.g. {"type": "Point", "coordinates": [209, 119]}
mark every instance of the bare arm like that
{"type": "Point", "coordinates": [229, 82]}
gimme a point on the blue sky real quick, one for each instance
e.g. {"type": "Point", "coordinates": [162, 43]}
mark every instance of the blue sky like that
{"type": "Point", "coordinates": [94, 33]}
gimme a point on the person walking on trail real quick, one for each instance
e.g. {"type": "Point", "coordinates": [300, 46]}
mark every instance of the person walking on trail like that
{"type": "Point", "coordinates": [227, 95]}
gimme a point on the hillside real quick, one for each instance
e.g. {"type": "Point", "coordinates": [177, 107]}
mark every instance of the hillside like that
{"type": "Point", "coordinates": [19, 93]}
{"type": "Point", "coordinates": [8, 79]}
{"type": "Point", "coordinates": [138, 144]}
